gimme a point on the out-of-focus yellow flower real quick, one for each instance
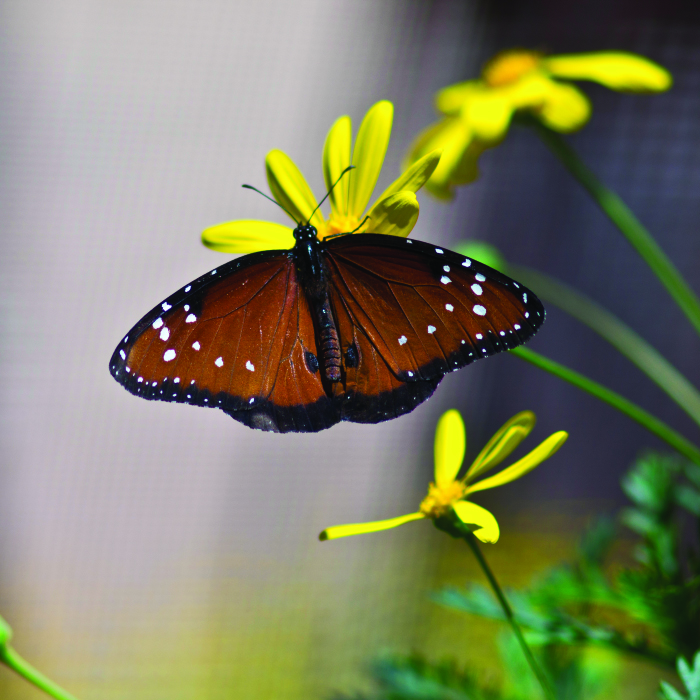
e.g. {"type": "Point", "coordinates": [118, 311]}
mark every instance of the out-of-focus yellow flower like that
{"type": "Point", "coordinates": [395, 212]}
{"type": "Point", "coordinates": [447, 493]}
{"type": "Point", "coordinates": [477, 113]}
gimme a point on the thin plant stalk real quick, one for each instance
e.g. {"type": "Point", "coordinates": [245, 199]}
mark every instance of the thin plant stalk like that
{"type": "Point", "coordinates": [618, 334]}
{"type": "Point", "coordinates": [651, 423]}
{"type": "Point", "coordinates": [508, 612]}
{"type": "Point", "coordinates": [12, 659]}
{"type": "Point", "coordinates": [621, 215]}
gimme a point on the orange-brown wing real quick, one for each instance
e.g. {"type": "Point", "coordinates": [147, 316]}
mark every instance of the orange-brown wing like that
{"type": "Point", "coordinates": [410, 312]}
{"type": "Point", "coordinates": [239, 338]}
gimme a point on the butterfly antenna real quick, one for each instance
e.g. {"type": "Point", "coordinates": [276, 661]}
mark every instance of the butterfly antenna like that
{"type": "Point", "coordinates": [274, 201]}
{"type": "Point", "coordinates": [362, 223]}
{"type": "Point", "coordinates": [347, 233]}
{"type": "Point", "coordinates": [328, 194]}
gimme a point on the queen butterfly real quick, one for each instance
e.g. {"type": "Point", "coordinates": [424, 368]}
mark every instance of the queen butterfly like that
{"type": "Point", "coordinates": [358, 328]}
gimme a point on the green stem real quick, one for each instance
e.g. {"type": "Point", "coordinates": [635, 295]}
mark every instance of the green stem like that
{"type": "Point", "coordinates": [10, 657]}
{"type": "Point", "coordinates": [620, 214]}
{"type": "Point", "coordinates": [619, 335]}
{"type": "Point", "coordinates": [508, 612]}
{"type": "Point", "coordinates": [651, 423]}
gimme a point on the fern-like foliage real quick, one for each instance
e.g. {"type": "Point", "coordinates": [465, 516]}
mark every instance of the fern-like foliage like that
{"type": "Point", "coordinates": [689, 675]}
{"type": "Point", "coordinates": [651, 610]}
{"type": "Point", "coordinates": [413, 677]}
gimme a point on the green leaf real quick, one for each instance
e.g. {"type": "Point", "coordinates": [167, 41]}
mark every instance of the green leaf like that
{"type": "Point", "coordinates": [690, 675]}
{"type": "Point", "coordinates": [668, 692]}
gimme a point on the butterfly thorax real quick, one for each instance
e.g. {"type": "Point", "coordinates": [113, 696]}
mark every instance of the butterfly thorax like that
{"type": "Point", "coordinates": [308, 260]}
{"type": "Point", "coordinates": [312, 277]}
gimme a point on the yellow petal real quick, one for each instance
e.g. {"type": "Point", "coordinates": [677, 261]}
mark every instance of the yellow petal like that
{"type": "Point", "coordinates": [395, 215]}
{"type": "Point", "coordinates": [457, 164]}
{"type": "Point", "coordinates": [415, 176]}
{"type": "Point", "coordinates": [336, 157]}
{"type": "Point", "coordinates": [484, 525]}
{"type": "Point", "coordinates": [530, 91]}
{"type": "Point", "coordinates": [450, 446]}
{"type": "Point", "coordinates": [247, 236]}
{"type": "Point", "coordinates": [450, 99]}
{"type": "Point", "coordinates": [489, 114]}
{"type": "Point", "coordinates": [617, 70]}
{"type": "Point", "coordinates": [524, 465]}
{"type": "Point", "coordinates": [368, 155]}
{"type": "Point", "coordinates": [290, 189]}
{"type": "Point", "coordinates": [503, 442]}
{"type": "Point", "coordinates": [565, 109]}
{"type": "Point", "coordinates": [333, 533]}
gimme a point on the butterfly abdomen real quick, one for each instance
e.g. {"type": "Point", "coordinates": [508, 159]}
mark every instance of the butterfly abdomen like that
{"type": "Point", "coordinates": [329, 343]}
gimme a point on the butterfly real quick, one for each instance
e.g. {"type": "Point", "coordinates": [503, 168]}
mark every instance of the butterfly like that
{"type": "Point", "coordinates": [355, 328]}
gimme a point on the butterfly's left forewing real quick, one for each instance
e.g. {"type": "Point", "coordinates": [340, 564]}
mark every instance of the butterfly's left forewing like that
{"type": "Point", "coordinates": [416, 311]}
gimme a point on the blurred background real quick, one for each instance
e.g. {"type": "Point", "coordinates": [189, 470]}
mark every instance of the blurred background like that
{"type": "Point", "coordinates": [151, 550]}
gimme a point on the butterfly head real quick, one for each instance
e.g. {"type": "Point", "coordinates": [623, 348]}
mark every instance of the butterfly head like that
{"type": "Point", "coordinates": [305, 233]}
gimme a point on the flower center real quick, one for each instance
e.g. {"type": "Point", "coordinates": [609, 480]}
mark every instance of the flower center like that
{"type": "Point", "coordinates": [440, 500]}
{"type": "Point", "coordinates": [340, 223]}
{"type": "Point", "coordinates": [509, 66]}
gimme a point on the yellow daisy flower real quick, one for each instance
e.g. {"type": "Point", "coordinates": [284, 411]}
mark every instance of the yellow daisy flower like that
{"type": "Point", "coordinates": [477, 113]}
{"type": "Point", "coordinates": [395, 212]}
{"type": "Point", "coordinates": [449, 494]}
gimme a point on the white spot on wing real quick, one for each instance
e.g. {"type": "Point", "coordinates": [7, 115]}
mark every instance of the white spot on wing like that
{"type": "Point", "coordinates": [196, 345]}
{"type": "Point", "coordinates": [169, 355]}
{"type": "Point", "coordinates": [449, 307]}
{"type": "Point", "coordinates": [446, 268]}
{"type": "Point", "coordinates": [445, 280]}
{"type": "Point", "coordinates": [122, 354]}
{"type": "Point", "coordinates": [479, 336]}
{"type": "Point", "coordinates": [139, 380]}
{"type": "Point", "coordinates": [164, 333]}
{"type": "Point", "coordinates": [525, 297]}
{"type": "Point", "coordinates": [176, 380]}
{"type": "Point", "coordinates": [188, 287]}
{"type": "Point", "coordinates": [527, 314]}
{"type": "Point", "coordinates": [431, 329]}
{"type": "Point", "coordinates": [187, 307]}
{"type": "Point", "coordinates": [516, 285]}
{"type": "Point", "coordinates": [128, 369]}
{"type": "Point", "coordinates": [480, 277]}
{"type": "Point", "coordinates": [248, 365]}
{"type": "Point", "coordinates": [251, 401]}
{"type": "Point", "coordinates": [191, 318]}
{"type": "Point", "coordinates": [157, 323]}
{"type": "Point", "coordinates": [439, 251]}
{"type": "Point", "coordinates": [476, 288]}
{"type": "Point", "coordinates": [467, 262]}
{"type": "Point", "coordinates": [479, 310]}
{"type": "Point", "coordinates": [165, 306]}
{"type": "Point", "coordinates": [503, 332]}
{"type": "Point", "coordinates": [403, 339]}
{"type": "Point", "coordinates": [219, 361]}
{"type": "Point", "coordinates": [517, 326]}
{"type": "Point", "coordinates": [410, 374]}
